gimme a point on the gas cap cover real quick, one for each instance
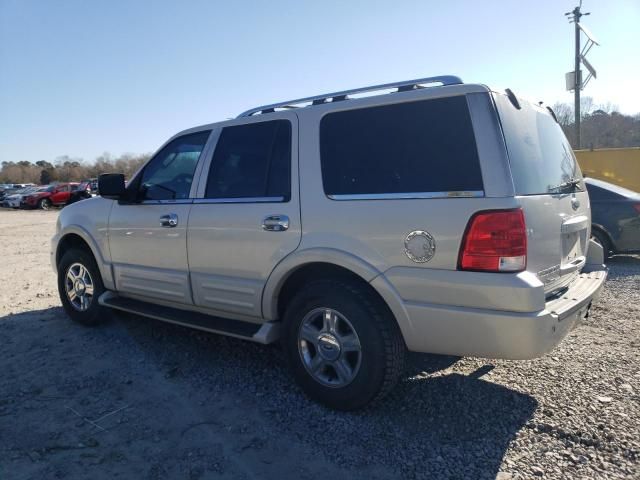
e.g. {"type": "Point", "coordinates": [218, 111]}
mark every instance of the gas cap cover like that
{"type": "Point", "coordinates": [419, 246]}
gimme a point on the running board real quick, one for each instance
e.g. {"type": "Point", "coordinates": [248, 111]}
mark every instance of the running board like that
{"type": "Point", "coordinates": [265, 333]}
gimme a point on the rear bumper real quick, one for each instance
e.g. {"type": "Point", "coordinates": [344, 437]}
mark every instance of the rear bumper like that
{"type": "Point", "coordinates": [468, 331]}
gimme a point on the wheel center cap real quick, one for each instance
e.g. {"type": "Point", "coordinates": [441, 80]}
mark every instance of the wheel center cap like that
{"type": "Point", "coordinates": [329, 347]}
{"type": "Point", "coordinates": [79, 286]}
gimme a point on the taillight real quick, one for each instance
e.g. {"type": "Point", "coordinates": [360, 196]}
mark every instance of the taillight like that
{"type": "Point", "coordinates": [637, 207]}
{"type": "Point", "coordinates": [495, 241]}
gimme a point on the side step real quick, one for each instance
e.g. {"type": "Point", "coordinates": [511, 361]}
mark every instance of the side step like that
{"type": "Point", "coordinates": [267, 332]}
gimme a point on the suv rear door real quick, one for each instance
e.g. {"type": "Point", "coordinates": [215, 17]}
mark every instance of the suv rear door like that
{"type": "Point", "coordinates": [549, 186]}
{"type": "Point", "coordinates": [247, 216]}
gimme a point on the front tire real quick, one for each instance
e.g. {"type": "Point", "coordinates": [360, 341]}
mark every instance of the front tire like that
{"type": "Point", "coordinates": [343, 345]}
{"type": "Point", "coordinates": [79, 286]}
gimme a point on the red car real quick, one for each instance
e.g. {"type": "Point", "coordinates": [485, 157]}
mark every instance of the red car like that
{"type": "Point", "coordinates": [54, 195]}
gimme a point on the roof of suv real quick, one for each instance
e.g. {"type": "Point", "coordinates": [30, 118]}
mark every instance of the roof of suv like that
{"type": "Point", "coordinates": [403, 86]}
{"type": "Point", "coordinates": [356, 94]}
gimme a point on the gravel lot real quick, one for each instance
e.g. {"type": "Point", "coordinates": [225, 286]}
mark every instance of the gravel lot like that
{"type": "Point", "coordinates": [139, 399]}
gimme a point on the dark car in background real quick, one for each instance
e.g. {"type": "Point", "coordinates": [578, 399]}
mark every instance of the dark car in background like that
{"type": "Point", "coordinates": [615, 217]}
{"type": "Point", "coordinates": [82, 192]}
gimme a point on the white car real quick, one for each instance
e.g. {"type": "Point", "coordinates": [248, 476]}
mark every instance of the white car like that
{"type": "Point", "coordinates": [13, 200]}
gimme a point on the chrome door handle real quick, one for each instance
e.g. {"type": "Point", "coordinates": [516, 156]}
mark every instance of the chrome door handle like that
{"type": "Point", "coordinates": [275, 223]}
{"type": "Point", "coordinates": [170, 220]}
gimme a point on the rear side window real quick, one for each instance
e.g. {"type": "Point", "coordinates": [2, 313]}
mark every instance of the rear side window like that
{"type": "Point", "coordinates": [418, 147]}
{"type": "Point", "coordinates": [540, 155]}
{"type": "Point", "coordinates": [252, 161]}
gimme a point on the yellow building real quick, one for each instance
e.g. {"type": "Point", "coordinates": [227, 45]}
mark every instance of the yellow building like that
{"type": "Point", "coordinates": [615, 165]}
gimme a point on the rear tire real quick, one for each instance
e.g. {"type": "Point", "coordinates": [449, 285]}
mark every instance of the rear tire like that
{"type": "Point", "coordinates": [79, 286]}
{"type": "Point", "coordinates": [44, 204]}
{"type": "Point", "coordinates": [603, 240]}
{"type": "Point", "coordinates": [342, 343]}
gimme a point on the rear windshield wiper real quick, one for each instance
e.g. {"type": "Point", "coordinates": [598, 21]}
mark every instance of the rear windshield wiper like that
{"type": "Point", "coordinates": [571, 185]}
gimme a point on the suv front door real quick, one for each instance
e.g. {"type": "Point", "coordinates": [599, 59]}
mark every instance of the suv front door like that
{"type": "Point", "coordinates": [147, 234]}
{"type": "Point", "coordinates": [247, 216]}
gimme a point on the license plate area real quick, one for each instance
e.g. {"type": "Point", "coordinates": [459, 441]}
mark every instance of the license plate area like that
{"type": "Point", "coordinates": [571, 247]}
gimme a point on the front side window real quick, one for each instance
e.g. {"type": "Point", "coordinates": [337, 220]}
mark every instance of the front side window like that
{"type": "Point", "coordinates": [417, 147]}
{"type": "Point", "coordinates": [252, 161]}
{"type": "Point", "coordinates": [169, 175]}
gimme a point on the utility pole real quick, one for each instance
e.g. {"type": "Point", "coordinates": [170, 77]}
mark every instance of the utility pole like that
{"type": "Point", "coordinates": [577, 74]}
{"type": "Point", "coordinates": [574, 79]}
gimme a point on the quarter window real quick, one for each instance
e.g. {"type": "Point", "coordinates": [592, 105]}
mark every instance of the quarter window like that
{"type": "Point", "coordinates": [252, 160]}
{"type": "Point", "coordinates": [169, 175]}
{"type": "Point", "coordinates": [417, 147]}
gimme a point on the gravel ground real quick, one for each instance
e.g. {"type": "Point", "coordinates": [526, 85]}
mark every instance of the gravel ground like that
{"type": "Point", "coordinates": [136, 398]}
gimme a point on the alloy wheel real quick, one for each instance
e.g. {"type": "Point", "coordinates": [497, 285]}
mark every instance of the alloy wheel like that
{"type": "Point", "coordinates": [329, 347]}
{"type": "Point", "coordinates": [79, 287]}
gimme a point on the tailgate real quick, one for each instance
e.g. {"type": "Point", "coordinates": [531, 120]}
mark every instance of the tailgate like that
{"type": "Point", "coordinates": [549, 187]}
{"type": "Point", "coordinates": [558, 228]}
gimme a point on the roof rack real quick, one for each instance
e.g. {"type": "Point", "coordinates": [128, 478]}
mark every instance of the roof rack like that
{"type": "Point", "coordinates": [339, 96]}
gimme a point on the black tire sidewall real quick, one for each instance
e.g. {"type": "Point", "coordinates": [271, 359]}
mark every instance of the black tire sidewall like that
{"type": "Point", "coordinates": [602, 239]}
{"type": "Point", "coordinates": [44, 204]}
{"type": "Point", "coordinates": [365, 318]}
{"type": "Point", "coordinates": [95, 313]}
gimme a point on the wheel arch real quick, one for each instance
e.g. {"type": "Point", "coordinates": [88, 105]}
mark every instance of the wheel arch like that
{"type": "Point", "coordinates": [290, 274]}
{"type": "Point", "coordinates": [77, 237]}
{"type": "Point", "coordinates": [601, 229]}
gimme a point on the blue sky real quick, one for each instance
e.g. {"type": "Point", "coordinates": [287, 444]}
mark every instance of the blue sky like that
{"type": "Point", "coordinates": [82, 77]}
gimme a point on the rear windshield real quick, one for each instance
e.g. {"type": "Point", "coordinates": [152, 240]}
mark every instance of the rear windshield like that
{"type": "Point", "coordinates": [541, 158]}
{"type": "Point", "coordinates": [426, 146]}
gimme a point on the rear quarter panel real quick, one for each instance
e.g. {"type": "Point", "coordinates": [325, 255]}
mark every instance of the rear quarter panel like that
{"type": "Point", "coordinates": [375, 230]}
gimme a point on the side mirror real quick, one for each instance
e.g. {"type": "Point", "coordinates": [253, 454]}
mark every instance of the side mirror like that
{"type": "Point", "coordinates": [111, 185]}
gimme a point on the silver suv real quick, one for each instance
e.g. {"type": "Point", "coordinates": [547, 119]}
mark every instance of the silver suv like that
{"type": "Point", "coordinates": [428, 215]}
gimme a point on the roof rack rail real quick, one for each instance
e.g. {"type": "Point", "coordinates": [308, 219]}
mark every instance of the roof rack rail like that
{"type": "Point", "coordinates": [404, 86]}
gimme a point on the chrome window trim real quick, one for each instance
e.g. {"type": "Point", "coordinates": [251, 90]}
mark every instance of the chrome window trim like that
{"type": "Point", "coordinates": [240, 200]}
{"type": "Point", "coordinates": [178, 201]}
{"type": "Point", "coordinates": [407, 196]}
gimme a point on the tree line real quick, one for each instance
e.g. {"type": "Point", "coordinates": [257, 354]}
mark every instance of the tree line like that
{"type": "Point", "coordinates": [67, 169]}
{"type": "Point", "coordinates": [601, 126]}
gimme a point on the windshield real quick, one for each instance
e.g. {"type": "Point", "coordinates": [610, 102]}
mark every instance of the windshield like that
{"type": "Point", "coordinates": [541, 158]}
